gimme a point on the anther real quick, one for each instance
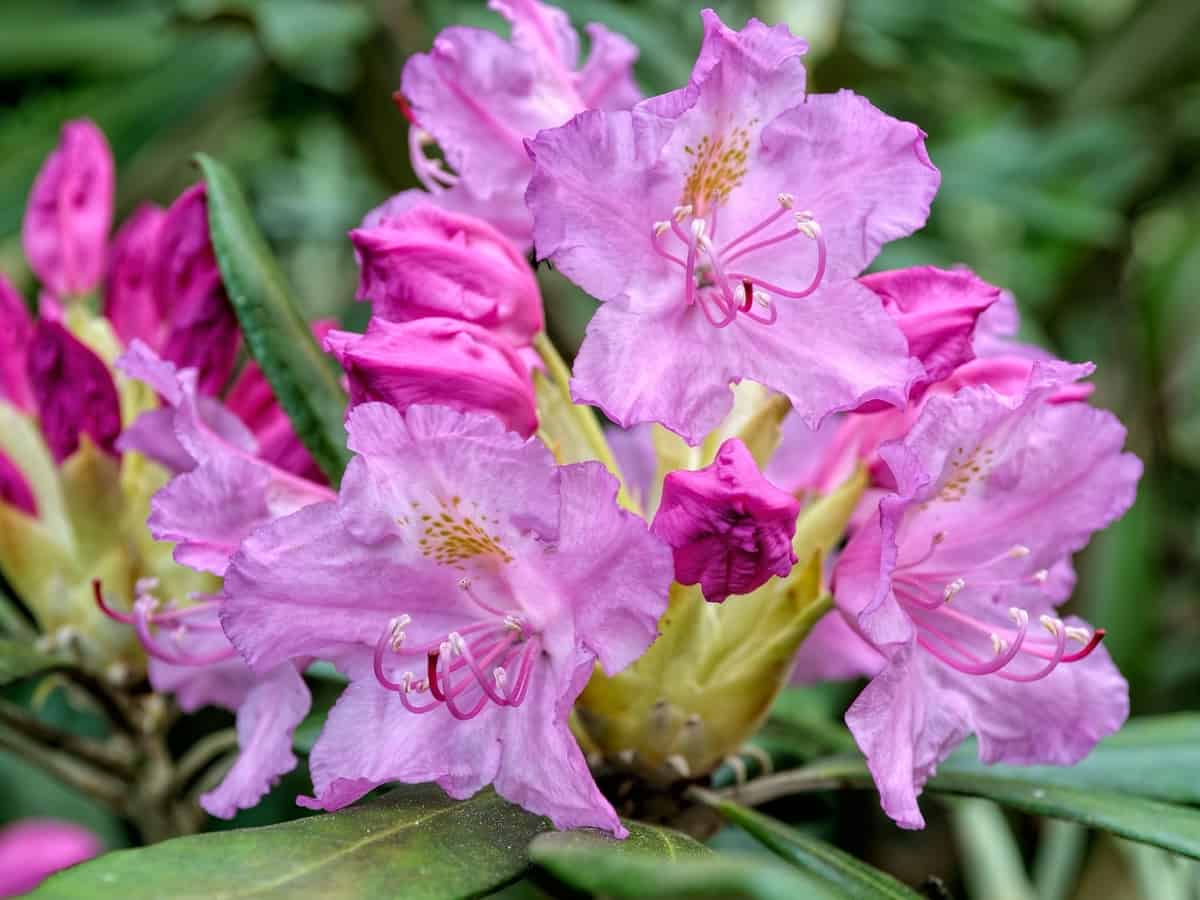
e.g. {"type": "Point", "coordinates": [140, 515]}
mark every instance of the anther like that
{"type": "Point", "coordinates": [1081, 635]}
{"type": "Point", "coordinates": [1051, 625]}
{"type": "Point", "coordinates": [1018, 615]}
{"type": "Point", "coordinates": [786, 200]}
{"type": "Point", "coordinates": [1017, 551]}
{"type": "Point", "coordinates": [500, 676]}
{"type": "Point", "coordinates": [999, 645]}
{"type": "Point", "coordinates": [699, 227]}
{"type": "Point", "coordinates": [1040, 576]}
{"type": "Point", "coordinates": [680, 213]}
{"type": "Point", "coordinates": [953, 588]}
{"type": "Point", "coordinates": [660, 228]}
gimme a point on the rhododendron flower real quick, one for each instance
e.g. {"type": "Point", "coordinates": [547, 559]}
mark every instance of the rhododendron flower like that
{"type": "Point", "coordinates": [478, 97]}
{"type": "Point", "coordinates": [14, 488]}
{"type": "Point", "coordinates": [33, 849]}
{"type": "Point", "coordinates": [16, 334]}
{"type": "Point", "coordinates": [956, 582]}
{"type": "Point", "coordinates": [418, 260]}
{"type": "Point", "coordinates": [467, 586]}
{"type": "Point", "coordinates": [131, 301]}
{"type": "Point", "coordinates": [730, 528]}
{"type": "Point", "coordinates": [73, 390]}
{"type": "Point", "coordinates": [67, 218]}
{"type": "Point", "coordinates": [446, 361]}
{"type": "Point", "coordinates": [722, 225]}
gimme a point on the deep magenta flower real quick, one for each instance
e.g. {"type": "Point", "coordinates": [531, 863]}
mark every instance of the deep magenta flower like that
{"type": "Point", "coordinates": [479, 97]}
{"type": "Point", "coordinates": [467, 585]}
{"type": "Point", "coordinates": [34, 849]}
{"type": "Point", "coordinates": [729, 528]}
{"type": "Point", "coordinates": [16, 334]}
{"type": "Point", "coordinates": [73, 390]}
{"type": "Point", "coordinates": [956, 580]}
{"type": "Point", "coordinates": [69, 213]}
{"type": "Point", "coordinates": [436, 360]}
{"type": "Point", "coordinates": [14, 487]}
{"type": "Point", "coordinates": [131, 302]}
{"type": "Point", "coordinates": [418, 260]}
{"type": "Point", "coordinates": [722, 226]}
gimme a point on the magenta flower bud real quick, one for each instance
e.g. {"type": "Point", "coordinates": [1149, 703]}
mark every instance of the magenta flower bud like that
{"type": "Point", "coordinates": [16, 331]}
{"type": "Point", "coordinates": [202, 329]}
{"type": "Point", "coordinates": [65, 232]}
{"type": "Point", "coordinates": [437, 361]}
{"type": "Point", "coordinates": [426, 261]}
{"type": "Point", "coordinates": [14, 489]}
{"type": "Point", "coordinates": [33, 849]}
{"type": "Point", "coordinates": [131, 303]}
{"type": "Point", "coordinates": [730, 528]}
{"type": "Point", "coordinates": [74, 391]}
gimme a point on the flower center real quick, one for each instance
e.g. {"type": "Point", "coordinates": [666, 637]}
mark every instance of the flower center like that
{"type": "Point", "coordinates": [712, 282]}
{"type": "Point", "coordinates": [962, 641]}
{"type": "Point", "coordinates": [488, 660]}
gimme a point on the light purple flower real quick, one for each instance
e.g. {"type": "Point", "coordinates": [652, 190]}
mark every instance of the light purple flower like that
{"type": "Point", "coordinates": [467, 586]}
{"type": "Point", "coordinates": [202, 329]}
{"type": "Point", "coordinates": [131, 302]}
{"type": "Point", "coordinates": [73, 390]}
{"type": "Point", "coordinates": [445, 361]}
{"type": "Point", "coordinates": [478, 97]}
{"type": "Point", "coordinates": [956, 582]}
{"type": "Point", "coordinates": [729, 528]}
{"type": "Point", "coordinates": [65, 231]}
{"type": "Point", "coordinates": [34, 849]}
{"type": "Point", "coordinates": [424, 261]}
{"type": "Point", "coordinates": [16, 334]}
{"type": "Point", "coordinates": [722, 225]}
{"type": "Point", "coordinates": [222, 490]}
{"type": "Point", "coordinates": [191, 658]}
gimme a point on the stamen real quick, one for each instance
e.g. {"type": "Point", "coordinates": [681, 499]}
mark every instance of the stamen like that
{"type": "Point", "coordinates": [953, 588]}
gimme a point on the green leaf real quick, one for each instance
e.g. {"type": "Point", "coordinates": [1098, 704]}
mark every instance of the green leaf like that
{"type": "Point", "coordinates": [304, 379]}
{"type": "Point", "coordinates": [416, 843]}
{"type": "Point", "coordinates": [844, 873]}
{"type": "Point", "coordinates": [20, 659]}
{"type": "Point", "coordinates": [660, 863]}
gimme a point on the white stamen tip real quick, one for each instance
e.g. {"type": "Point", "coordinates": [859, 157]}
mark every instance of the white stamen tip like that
{"type": "Point", "coordinates": [455, 642]}
{"type": "Point", "coordinates": [1082, 635]}
{"type": "Point", "coordinates": [500, 675]}
{"type": "Point", "coordinates": [953, 588]}
{"type": "Point", "coordinates": [398, 636]}
{"type": "Point", "coordinates": [786, 201]}
{"type": "Point", "coordinates": [699, 227]}
{"type": "Point", "coordinates": [1018, 615]}
{"type": "Point", "coordinates": [998, 644]}
{"type": "Point", "coordinates": [1051, 625]}
{"type": "Point", "coordinates": [464, 583]}
{"type": "Point", "coordinates": [1018, 550]}
{"type": "Point", "coordinates": [145, 585]}
{"type": "Point", "coordinates": [1040, 576]}
{"type": "Point", "coordinates": [661, 228]}
{"type": "Point", "coordinates": [681, 212]}
{"type": "Point", "coordinates": [512, 623]}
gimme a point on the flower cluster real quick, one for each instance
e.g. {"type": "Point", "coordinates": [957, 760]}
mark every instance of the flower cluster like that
{"type": "Point", "coordinates": [505, 613]}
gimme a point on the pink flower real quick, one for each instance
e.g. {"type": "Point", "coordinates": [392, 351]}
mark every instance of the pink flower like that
{"type": "Point", "coordinates": [422, 261]}
{"type": "Point", "coordinates": [730, 528]}
{"type": "Point", "coordinates": [467, 586]}
{"type": "Point", "coordinates": [131, 301]}
{"type": "Point", "coordinates": [16, 334]}
{"type": "Point", "coordinates": [14, 488]}
{"type": "Point", "coordinates": [222, 489]}
{"type": "Point", "coordinates": [962, 569]}
{"type": "Point", "coordinates": [65, 232]}
{"type": "Point", "coordinates": [722, 226]}
{"type": "Point", "coordinates": [202, 330]}
{"type": "Point", "coordinates": [74, 391]}
{"type": "Point", "coordinates": [34, 849]}
{"type": "Point", "coordinates": [434, 360]}
{"type": "Point", "coordinates": [478, 97]}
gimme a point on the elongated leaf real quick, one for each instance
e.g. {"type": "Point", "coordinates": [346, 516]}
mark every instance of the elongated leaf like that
{"type": "Point", "coordinates": [20, 659]}
{"type": "Point", "coordinates": [415, 843]}
{"type": "Point", "coordinates": [660, 863]}
{"type": "Point", "coordinates": [845, 874]}
{"type": "Point", "coordinates": [304, 379]}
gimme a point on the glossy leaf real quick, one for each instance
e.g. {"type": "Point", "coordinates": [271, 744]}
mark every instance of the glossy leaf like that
{"type": "Point", "coordinates": [416, 843]}
{"type": "Point", "coordinates": [844, 873]}
{"type": "Point", "coordinates": [660, 863]}
{"type": "Point", "coordinates": [304, 379]}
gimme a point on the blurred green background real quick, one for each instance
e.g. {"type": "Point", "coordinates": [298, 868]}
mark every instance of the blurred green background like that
{"type": "Point", "coordinates": [1067, 132]}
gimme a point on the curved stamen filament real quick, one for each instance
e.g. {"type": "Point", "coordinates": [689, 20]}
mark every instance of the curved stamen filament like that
{"type": "Point", "coordinates": [818, 276]}
{"type": "Point", "coordinates": [432, 173]}
{"type": "Point", "coordinates": [967, 662]}
{"type": "Point", "coordinates": [1056, 628]}
{"type": "Point", "coordinates": [785, 204]}
{"type": "Point", "coordinates": [142, 616]}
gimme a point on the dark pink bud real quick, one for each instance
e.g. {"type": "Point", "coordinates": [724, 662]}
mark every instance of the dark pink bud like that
{"type": "Point", "coordinates": [16, 331]}
{"type": "Point", "coordinates": [33, 849]}
{"type": "Point", "coordinates": [937, 310]}
{"type": "Point", "coordinates": [439, 361]}
{"type": "Point", "coordinates": [130, 300]}
{"type": "Point", "coordinates": [426, 261]}
{"type": "Point", "coordinates": [202, 329]}
{"type": "Point", "coordinates": [730, 528]}
{"type": "Point", "coordinates": [14, 489]}
{"type": "Point", "coordinates": [74, 392]}
{"type": "Point", "coordinates": [65, 232]}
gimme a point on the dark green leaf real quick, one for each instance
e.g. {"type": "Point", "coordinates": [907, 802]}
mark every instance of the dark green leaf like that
{"type": "Point", "coordinates": [660, 863]}
{"type": "Point", "coordinates": [840, 870]}
{"type": "Point", "coordinates": [304, 379]}
{"type": "Point", "coordinates": [415, 843]}
{"type": "Point", "coordinates": [20, 659]}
